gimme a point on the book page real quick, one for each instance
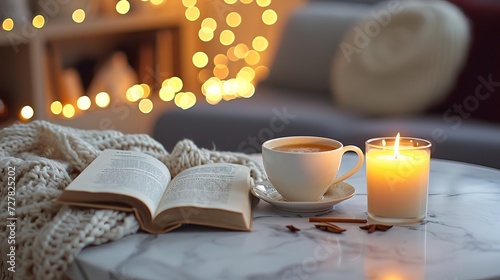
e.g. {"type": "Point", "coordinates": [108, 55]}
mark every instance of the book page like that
{"type": "Point", "coordinates": [221, 185]}
{"type": "Point", "coordinates": [127, 173]}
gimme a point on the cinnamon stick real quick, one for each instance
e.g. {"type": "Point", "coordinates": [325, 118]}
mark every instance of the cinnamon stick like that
{"type": "Point", "coordinates": [337, 220]}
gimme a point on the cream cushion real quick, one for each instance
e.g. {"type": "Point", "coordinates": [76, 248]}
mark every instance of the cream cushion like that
{"type": "Point", "coordinates": [402, 58]}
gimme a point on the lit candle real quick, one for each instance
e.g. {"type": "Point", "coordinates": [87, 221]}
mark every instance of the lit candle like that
{"type": "Point", "coordinates": [397, 173]}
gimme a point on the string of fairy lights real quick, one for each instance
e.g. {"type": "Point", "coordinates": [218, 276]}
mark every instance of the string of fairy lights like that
{"type": "Point", "coordinates": [219, 81]}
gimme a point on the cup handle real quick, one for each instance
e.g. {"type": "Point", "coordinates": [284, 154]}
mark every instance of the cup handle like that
{"type": "Point", "coordinates": [361, 159]}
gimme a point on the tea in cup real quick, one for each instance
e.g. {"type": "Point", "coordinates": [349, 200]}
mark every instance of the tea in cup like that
{"type": "Point", "coordinates": [302, 168]}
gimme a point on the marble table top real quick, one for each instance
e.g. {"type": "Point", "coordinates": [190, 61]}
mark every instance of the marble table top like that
{"type": "Point", "coordinates": [459, 239]}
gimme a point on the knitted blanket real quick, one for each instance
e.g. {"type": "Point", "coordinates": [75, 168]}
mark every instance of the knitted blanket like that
{"type": "Point", "coordinates": [40, 159]}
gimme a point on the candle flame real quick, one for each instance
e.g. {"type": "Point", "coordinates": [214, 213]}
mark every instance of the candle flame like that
{"type": "Point", "coordinates": [396, 146]}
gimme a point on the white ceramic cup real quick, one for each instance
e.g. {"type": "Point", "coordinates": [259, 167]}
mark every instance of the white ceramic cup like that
{"type": "Point", "coordinates": [306, 176]}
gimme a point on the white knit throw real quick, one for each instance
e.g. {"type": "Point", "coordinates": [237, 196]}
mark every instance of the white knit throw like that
{"type": "Point", "coordinates": [46, 158]}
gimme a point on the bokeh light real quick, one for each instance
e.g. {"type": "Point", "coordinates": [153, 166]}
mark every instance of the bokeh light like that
{"type": "Point", "coordinates": [27, 112]}
{"type": "Point", "coordinates": [134, 93]}
{"type": "Point", "coordinates": [222, 80]}
{"type": "Point", "coordinates": [83, 103]}
{"type": "Point", "coordinates": [175, 83]}
{"type": "Point", "coordinates": [188, 3]}
{"type": "Point", "coordinates": [185, 100]}
{"type": "Point", "coordinates": [192, 13]}
{"type": "Point", "coordinates": [56, 107]}
{"type": "Point", "coordinates": [220, 59]}
{"type": "Point", "coordinates": [229, 89]}
{"type": "Point", "coordinates": [221, 71]}
{"type": "Point", "coordinates": [206, 34]}
{"type": "Point", "coordinates": [68, 111]}
{"type": "Point", "coordinates": [209, 23]}
{"type": "Point", "coordinates": [167, 93]}
{"type": "Point", "coordinates": [157, 2]}
{"type": "Point", "coordinates": [260, 43]}
{"type": "Point", "coordinates": [230, 54]}
{"type": "Point", "coordinates": [263, 3]}
{"type": "Point", "coordinates": [240, 50]}
{"type": "Point", "coordinates": [248, 91]}
{"type": "Point", "coordinates": [246, 73]}
{"type": "Point", "coordinates": [78, 16]}
{"type": "Point", "coordinates": [8, 24]}
{"type": "Point", "coordinates": [38, 21]}
{"type": "Point", "coordinates": [123, 7]}
{"type": "Point", "coordinates": [233, 19]}
{"type": "Point", "coordinates": [206, 87]}
{"type": "Point", "coordinates": [146, 106]}
{"type": "Point", "coordinates": [146, 90]}
{"type": "Point", "coordinates": [269, 17]}
{"type": "Point", "coordinates": [227, 37]}
{"type": "Point", "coordinates": [252, 57]}
{"type": "Point", "coordinates": [102, 99]}
{"type": "Point", "coordinates": [204, 75]}
{"type": "Point", "coordinates": [200, 59]}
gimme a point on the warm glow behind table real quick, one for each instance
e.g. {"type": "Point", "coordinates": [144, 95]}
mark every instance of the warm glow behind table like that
{"type": "Point", "coordinates": [459, 239]}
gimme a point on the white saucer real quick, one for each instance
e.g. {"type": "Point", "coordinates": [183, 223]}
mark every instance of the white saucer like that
{"type": "Point", "coordinates": [335, 194]}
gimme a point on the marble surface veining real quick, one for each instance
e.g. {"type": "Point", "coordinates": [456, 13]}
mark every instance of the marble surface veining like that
{"type": "Point", "coordinates": [459, 239]}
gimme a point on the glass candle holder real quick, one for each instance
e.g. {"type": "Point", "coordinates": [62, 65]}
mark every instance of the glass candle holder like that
{"type": "Point", "coordinates": [397, 174]}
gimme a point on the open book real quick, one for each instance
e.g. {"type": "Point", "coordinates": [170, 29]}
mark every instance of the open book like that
{"type": "Point", "coordinates": [216, 195]}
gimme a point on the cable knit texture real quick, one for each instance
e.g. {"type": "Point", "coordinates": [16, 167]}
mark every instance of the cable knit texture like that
{"type": "Point", "coordinates": [46, 158]}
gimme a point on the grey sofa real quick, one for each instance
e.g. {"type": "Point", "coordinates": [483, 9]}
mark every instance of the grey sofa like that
{"type": "Point", "coordinates": [295, 99]}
